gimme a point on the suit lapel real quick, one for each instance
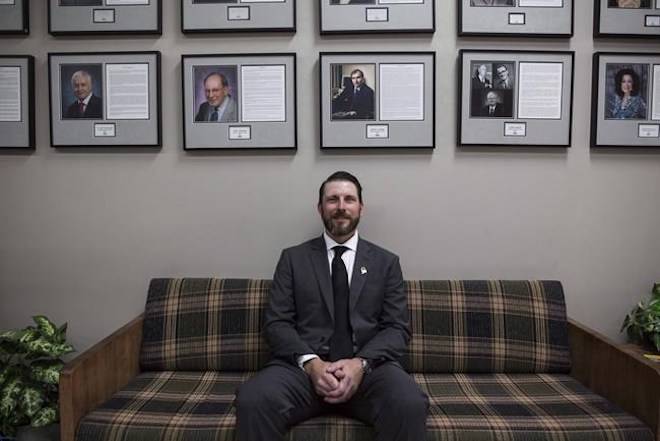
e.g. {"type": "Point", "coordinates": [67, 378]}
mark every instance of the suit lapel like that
{"type": "Point", "coordinates": [319, 255]}
{"type": "Point", "coordinates": [360, 272]}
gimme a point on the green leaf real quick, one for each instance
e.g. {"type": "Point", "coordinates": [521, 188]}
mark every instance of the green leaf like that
{"type": "Point", "coordinates": [656, 289]}
{"type": "Point", "coordinates": [13, 335]}
{"type": "Point", "coordinates": [31, 401]}
{"type": "Point", "coordinates": [47, 371]}
{"type": "Point", "coordinates": [656, 341]}
{"type": "Point", "coordinates": [29, 334]}
{"type": "Point", "coordinates": [46, 416]}
{"type": "Point", "coordinates": [9, 397]}
{"type": "Point", "coordinates": [45, 326]}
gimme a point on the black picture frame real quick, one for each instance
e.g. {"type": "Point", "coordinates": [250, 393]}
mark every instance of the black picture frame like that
{"type": "Point", "coordinates": [274, 133]}
{"type": "Point", "coordinates": [6, 27]}
{"type": "Point", "coordinates": [615, 22]}
{"type": "Point", "coordinates": [20, 134]}
{"type": "Point", "coordinates": [476, 128]}
{"type": "Point", "coordinates": [535, 21]}
{"type": "Point", "coordinates": [613, 124]}
{"type": "Point", "coordinates": [137, 19]}
{"type": "Point", "coordinates": [366, 127]}
{"type": "Point", "coordinates": [273, 16]}
{"type": "Point", "coordinates": [413, 17]}
{"type": "Point", "coordinates": [91, 131]}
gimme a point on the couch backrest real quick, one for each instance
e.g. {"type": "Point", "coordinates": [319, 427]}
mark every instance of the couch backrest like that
{"type": "Point", "coordinates": [458, 326]}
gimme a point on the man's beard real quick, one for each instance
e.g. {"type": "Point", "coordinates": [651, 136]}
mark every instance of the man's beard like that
{"type": "Point", "coordinates": [337, 229]}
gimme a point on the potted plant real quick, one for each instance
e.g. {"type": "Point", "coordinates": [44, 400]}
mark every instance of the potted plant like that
{"type": "Point", "coordinates": [30, 365]}
{"type": "Point", "coordinates": [643, 322]}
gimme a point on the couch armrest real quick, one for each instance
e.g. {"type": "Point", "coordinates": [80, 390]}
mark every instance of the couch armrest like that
{"type": "Point", "coordinates": [619, 374]}
{"type": "Point", "coordinates": [95, 375]}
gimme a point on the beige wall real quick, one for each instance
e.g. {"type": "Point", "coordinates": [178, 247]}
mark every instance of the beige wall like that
{"type": "Point", "coordinates": [82, 232]}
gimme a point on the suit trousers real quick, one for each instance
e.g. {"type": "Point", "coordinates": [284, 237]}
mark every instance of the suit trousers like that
{"type": "Point", "coordinates": [281, 395]}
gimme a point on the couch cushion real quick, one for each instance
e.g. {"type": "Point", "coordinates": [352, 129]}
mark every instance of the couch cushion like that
{"type": "Point", "coordinates": [204, 324]}
{"type": "Point", "coordinates": [480, 326]}
{"type": "Point", "coordinates": [505, 407]}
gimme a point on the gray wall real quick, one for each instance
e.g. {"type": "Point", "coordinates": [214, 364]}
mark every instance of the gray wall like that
{"type": "Point", "coordinates": [82, 232]}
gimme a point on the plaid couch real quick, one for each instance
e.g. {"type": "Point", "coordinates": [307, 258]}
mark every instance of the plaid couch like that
{"type": "Point", "coordinates": [493, 357]}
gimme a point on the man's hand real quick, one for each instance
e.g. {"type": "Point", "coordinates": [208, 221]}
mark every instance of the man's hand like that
{"type": "Point", "coordinates": [323, 381]}
{"type": "Point", "coordinates": [349, 373]}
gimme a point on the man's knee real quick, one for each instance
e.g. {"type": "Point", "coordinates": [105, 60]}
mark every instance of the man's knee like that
{"type": "Point", "coordinates": [407, 407]}
{"type": "Point", "coordinates": [250, 398]}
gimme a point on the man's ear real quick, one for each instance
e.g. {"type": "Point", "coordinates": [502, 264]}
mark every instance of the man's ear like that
{"type": "Point", "coordinates": [319, 209]}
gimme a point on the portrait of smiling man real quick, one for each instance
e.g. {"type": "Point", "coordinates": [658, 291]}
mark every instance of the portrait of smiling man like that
{"type": "Point", "coordinates": [337, 323]}
{"type": "Point", "coordinates": [220, 106]}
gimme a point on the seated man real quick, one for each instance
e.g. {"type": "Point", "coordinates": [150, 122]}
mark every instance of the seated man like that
{"type": "Point", "coordinates": [356, 102]}
{"type": "Point", "coordinates": [336, 323]}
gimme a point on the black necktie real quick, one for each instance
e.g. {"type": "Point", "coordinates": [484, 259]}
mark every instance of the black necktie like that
{"type": "Point", "coordinates": [341, 344]}
{"type": "Point", "coordinates": [214, 115]}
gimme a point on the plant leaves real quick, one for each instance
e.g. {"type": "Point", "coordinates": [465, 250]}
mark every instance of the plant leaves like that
{"type": "Point", "coordinates": [9, 397]}
{"type": "Point", "coordinates": [46, 416]}
{"type": "Point", "coordinates": [45, 326]}
{"type": "Point", "coordinates": [31, 401]}
{"type": "Point", "coordinates": [47, 371]}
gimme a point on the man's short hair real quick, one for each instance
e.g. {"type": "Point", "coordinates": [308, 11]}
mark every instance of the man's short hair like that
{"type": "Point", "coordinates": [356, 71]}
{"type": "Point", "coordinates": [223, 79]}
{"type": "Point", "coordinates": [83, 74]}
{"type": "Point", "coordinates": [341, 176]}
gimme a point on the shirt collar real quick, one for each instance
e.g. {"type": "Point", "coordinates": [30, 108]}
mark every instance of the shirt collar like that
{"type": "Point", "coordinates": [87, 98]}
{"type": "Point", "coordinates": [351, 243]}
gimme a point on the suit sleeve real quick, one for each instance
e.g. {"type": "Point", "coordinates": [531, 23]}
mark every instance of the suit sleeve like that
{"type": "Point", "coordinates": [394, 328]}
{"type": "Point", "coordinates": [280, 317]}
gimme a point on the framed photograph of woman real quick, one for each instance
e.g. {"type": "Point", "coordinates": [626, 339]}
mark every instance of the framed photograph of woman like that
{"type": "Point", "coordinates": [625, 97]}
{"type": "Point", "coordinates": [626, 91]}
{"type": "Point", "coordinates": [627, 18]}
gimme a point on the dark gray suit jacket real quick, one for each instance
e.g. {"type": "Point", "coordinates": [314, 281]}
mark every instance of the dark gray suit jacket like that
{"type": "Point", "coordinates": [300, 313]}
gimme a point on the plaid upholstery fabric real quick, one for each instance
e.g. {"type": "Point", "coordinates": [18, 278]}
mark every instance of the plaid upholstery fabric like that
{"type": "Point", "coordinates": [197, 406]}
{"type": "Point", "coordinates": [522, 407]}
{"type": "Point", "coordinates": [204, 324]}
{"type": "Point", "coordinates": [487, 327]}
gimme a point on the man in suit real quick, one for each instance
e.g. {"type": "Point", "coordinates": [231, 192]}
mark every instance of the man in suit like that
{"type": "Point", "coordinates": [504, 80]}
{"type": "Point", "coordinates": [219, 105]}
{"type": "Point", "coordinates": [355, 102]}
{"type": "Point", "coordinates": [336, 324]}
{"type": "Point", "coordinates": [86, 105]}
{"type": "Point", "coordinates": [495, 107]}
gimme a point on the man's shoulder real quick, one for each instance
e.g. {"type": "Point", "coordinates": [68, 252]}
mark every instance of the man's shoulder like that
{"type": "Point", "coordinates": [314, 243]}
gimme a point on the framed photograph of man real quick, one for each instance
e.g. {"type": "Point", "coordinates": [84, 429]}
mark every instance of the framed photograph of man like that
{"type": "Point", "coordinates": [81, 88]}
{"type": "Point", "coordinates": [216, 94]}
{"type": "Point", "coordinates": [239, 101]}
{"type": "Point", "coordinates": [89, 17]}
{"type": "Point", "coordinates": [16, 101]}
{"type": "Point", "coordinates": [377, 99]}
{"type": "Point", "coordinates": [515, 98]}
{"type": "Point", "coordinates": [238, 16]}
{"type": "Point", "coordinates": [376, 16]}
{"type": "Point", "coordinates": [14, 17]}
{"type": "Point", "coordinates": [532, 18]}
{"type": "Point", "coordinates": [352, 90]}
{"type": "Point", "coordinates": [626, 100]}
{"type": "Point", "coordinates": [627, 18]}
{"type": "Point", "coordinates": [105, 99]}
{"type": "Point", "coordinates": [491, 92]}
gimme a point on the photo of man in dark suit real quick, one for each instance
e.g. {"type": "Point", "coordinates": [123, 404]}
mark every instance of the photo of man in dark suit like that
{"type": "Point", "coordinates": [220, 106]}
{"type": "Point", "coordinates": [497, 105]}
{"type": "Point", "coordinates": [504, 78]}
{"type": "Point", "coordinates": [336, 323]}
{"type": "Point", "coordinates": [86, 105]}
{"type": "Point", "coordinates": [356, 101]}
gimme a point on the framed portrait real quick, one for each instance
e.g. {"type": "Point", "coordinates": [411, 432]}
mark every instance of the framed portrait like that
{"type": "Point", "coordinates": [515, 98]}
{"type": "Point", "coordinates": [238, 15]}
{"type": "Point", "coordinates": [626, 100]}
{"type": "Point", "coordinates": [532, 18]}
{"type": "Point", "coordinates": [73, 17]}
{"type": "Point", "coordinates": [105, 99]}
{"type": "Point", "coordinates": [16, 101]}
{"type": "Point", "coordinates": [377, 99]}
{"type": "Point", "coordinates": [627, 18]}
{"type": "Point", "coordinates": [239, 101]}
{"type": "Point", "coordinates": [14, 17]}
{"type": "Point", "coordinates": [376, 16]}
